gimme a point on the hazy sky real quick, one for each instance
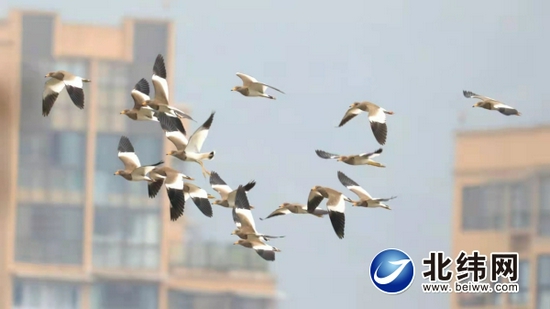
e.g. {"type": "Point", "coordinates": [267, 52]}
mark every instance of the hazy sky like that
{"type": "Point", "coordinates": [412, 57]}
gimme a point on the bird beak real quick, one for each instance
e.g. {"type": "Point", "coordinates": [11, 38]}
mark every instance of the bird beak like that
{"type": "Point", "coordinates": [233, 89]}
{"type": "Point", "coordinates": [391, 113]}
{"type": "Point", "coordinates": [46, 75]}
{"type": "Point", "coordinates": [473, 106]}
{"type": "Point", "coordinates": [236, 243]}
{"type": "Point", "coordinates": [169, 153]}
{"type": "Point", "coordinates": [339, 159]}
{"type": "Point", "coordinates": [123, 112]}
{"type": "Point", "coordinates": [116, 173]}
{"type": "Point", "coordinates": [210, 196]}
{"type": "Point", "coordinates": [144, 104]}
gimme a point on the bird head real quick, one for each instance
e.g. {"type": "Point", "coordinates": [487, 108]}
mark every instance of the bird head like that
{"type": "Point", "coordinates": [50, 74]}
{"type": "Point", "coordinates": [477, 104]}
{"type": "Point", "coordinates": [171, 153]}
{"type": "Point", "coordinates": [238, 242]}
{"type": "Point", "coordinates": [354, 104]}
{"type": "Point", "coordinates": [117, 172]}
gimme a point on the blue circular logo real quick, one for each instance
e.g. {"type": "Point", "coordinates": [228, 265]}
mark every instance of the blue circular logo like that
{"type": "Point", "coordinates": [392, 271]}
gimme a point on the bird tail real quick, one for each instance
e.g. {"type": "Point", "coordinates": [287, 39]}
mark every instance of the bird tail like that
{"type": "Point", "coordinates": [211, 155]}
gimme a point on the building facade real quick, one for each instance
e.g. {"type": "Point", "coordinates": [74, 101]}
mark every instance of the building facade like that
{"type": "Point", "coordinates": [73, 235]}
{"type": "Point", "coordinates": [502, 204]}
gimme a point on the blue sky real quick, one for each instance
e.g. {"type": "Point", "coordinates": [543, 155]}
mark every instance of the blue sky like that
{"type": "Point", "coordinates": [413, 58]}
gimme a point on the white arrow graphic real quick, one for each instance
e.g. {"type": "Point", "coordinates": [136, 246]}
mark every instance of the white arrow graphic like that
{"type": "Point", "coordinates": [389, 278]}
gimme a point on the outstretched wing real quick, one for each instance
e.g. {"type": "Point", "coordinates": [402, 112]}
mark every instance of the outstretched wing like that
{"type": "Point", "coordinates": [127, 155]}
{"type": "Point", "coordinates": [247, 79]}
{"type": "Point", "coordinates": [326, 155]}
{"type": "Point", "coordinates": [353, 186]}
{"type": "Point", "coordinates": [197, 139]}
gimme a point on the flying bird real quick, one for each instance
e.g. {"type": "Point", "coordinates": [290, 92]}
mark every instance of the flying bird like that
{"type": "Point", "coordinates": [133, 171]}
{"type": "Point", "coordinates": [335, 206]}
{"type": "Point", "coordinates": [295, 208]}
{"type": "Point", "coordinates": [140, 94]}
{"type": "Point", "coordinates": [377, 118]}
{"type": "Point", "coordinates": [187, 150]}
{"type": "Point", "coordinates": [178, 191]}
{"type": "Point", "coordinates": [226, 193]}
{"type": "Point", "coordinates": [491, 104]}
{"type": "Point", "coordinates": [365, 200]}
{"type": "Point", "coordinates": [54, 85]}
{"type": "Point", "coordinates": [359, 159]}
{"type": "Point", "coordinates": [253, 88]}
{"type": "Point", "coordinates": [161, 100]}
{"type": "Point", "coordinates": [247, 230]}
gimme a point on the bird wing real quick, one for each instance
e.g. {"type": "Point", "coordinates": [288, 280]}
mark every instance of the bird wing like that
{"type": "Point", "coordinates": [127, 155]}
{"type": "Point", "coordinates": [199, 136]}
{"type": "Point", "coordinates": [217, 183]}
{"type": "Point", "coordinates": [353, 186]}
{"type": "Point", "coordinates": [72, 80]}
{"type": "Point", "coordinates": [261, 87]}
{"type": "Point", "coordinates": [326, 155]}
{"type": "Point", "coordinates": [174, 130]}
{"type": "Point", "coordinates": [350, 114]}
{"type": "Point", "coordinates": [200, 198]}
{"type": "Point", "coordinates": [313, 200]}
{"type": "Point", "coordinates": [52, 88]}
{"type": "Point", "coordinates": [370, 155]}
{"type": "Point", "coordinates": [140, 93]}
{"type": "Point", "coordinates": [469, 94]}
{"type": "Point", "coordinates": [277, 212]}
{"type": "Point", "coordinates": [377, 119]}
{"type": "Point", "coordinates": [159, 81]}
{"type": "Point", "coordinates": [242, 209]}
{"type": "Point", "coordinates": [247, 79]}
{"type": "Point", "coordinates": [335, 201]}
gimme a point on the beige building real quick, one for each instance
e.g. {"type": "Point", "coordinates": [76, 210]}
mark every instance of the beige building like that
{"type": "Point", "coordinates": [72, 235]}
{"type": "Point", "coordinates": [502, 204]}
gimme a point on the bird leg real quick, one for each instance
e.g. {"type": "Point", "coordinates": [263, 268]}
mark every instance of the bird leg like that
{"type": "Point", "coordinates": [205, 172]}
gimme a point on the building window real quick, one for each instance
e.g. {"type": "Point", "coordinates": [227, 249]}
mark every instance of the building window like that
{"type": "Point", "coordinates": [124, 296]}
{"type": "Point", "coordinates": [191, 300]}
{"type": "Point", "coordinates": [482, 207]}
{"type": "Point", "coordinates": [49, 234]}
{"type": "Point", "coordinates": [520, 205]}
{"type": "Point", "coordinates": [113, 96]}
{"type": "Point", "coordinates": [543, 282]}
{"type": "Point", "coordinates": [65, 115]}
{"type": "Point", "coordinates": [37, 294]}
{"type": "Point", "coordinates": [126, 238]}
{"type": "Point", "coordinates": [212, 255]}
{"type": "Point", "coordinates": [544, 208]}
{"type": "Point", "coordinates": [51, 167]}
{"type": "Point", "coordinates": [522, 297]}
{"type": "Point", "coordinates": [242, 302]}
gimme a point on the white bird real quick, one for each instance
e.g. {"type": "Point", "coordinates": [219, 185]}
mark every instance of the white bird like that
{"type": "Point", "coordinates": [161, 100]}
{"type": "Point", "coordinates": [491, 104]}
{"type": "Point", "coordinates": [247, 230]}
{"type": "Point", "coordinates": [365, 200]}
{"type": "Point", "coordinates": [253, 88]}
{"type": "Point", "coordinates": [133, 171]}
{"type": "Point", "coordinates": [226, 193]}
{"type": "Point", "coordinates": [187, 150]}
{"type": "Point", "coordinates": [140, 94]}
{"type": "Point", "coordinates": [359, 159]}
{"type": "Point", "coordinates": [54, 85]}
{"type": "Point", "coordinates": [335, 205]}
{"type": "Point", "coordinates": [377, 118]}
{"type": "Point", "coordinates": [295, 208]}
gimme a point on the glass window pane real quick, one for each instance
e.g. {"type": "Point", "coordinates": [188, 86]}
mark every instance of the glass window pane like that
{"type": "Point", "coordinates": [54, 234]}
{"type": "Point", "coordinates": [543, 270]}
{"type": "Point", "coordinates": [544, 299]}
{"type": "Point", "coordinates": [520, 205]}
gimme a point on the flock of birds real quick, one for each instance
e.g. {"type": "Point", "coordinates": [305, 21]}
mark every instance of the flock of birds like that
{"type": "Point", "coordinates": [158, 109]}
